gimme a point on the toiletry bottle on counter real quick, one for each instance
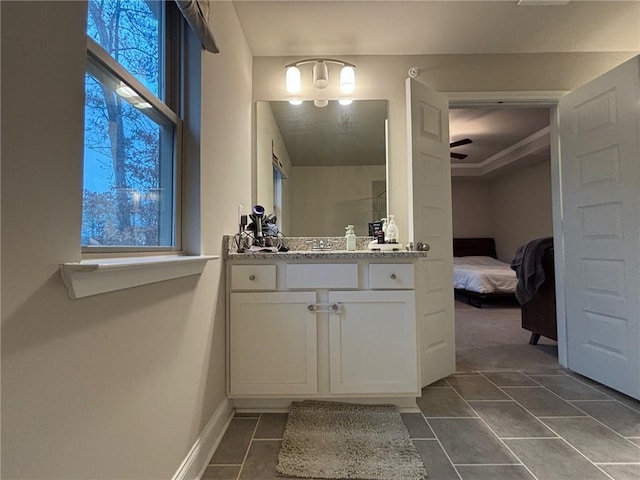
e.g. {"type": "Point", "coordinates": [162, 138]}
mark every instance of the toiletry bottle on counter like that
{"type": "Point", "coordinates": [392, 230]}
{"type": "Point", "coordinates": [350, 238]}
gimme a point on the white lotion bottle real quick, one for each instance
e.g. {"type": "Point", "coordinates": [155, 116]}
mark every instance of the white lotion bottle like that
{"type": "Point", "coordinates": [392, 230]}
{"type": "Point", "coordinates": [350, 238]}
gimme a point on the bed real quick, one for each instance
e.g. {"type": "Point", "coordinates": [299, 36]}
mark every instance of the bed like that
{"type": "Point", "coordinates": [477, 274]}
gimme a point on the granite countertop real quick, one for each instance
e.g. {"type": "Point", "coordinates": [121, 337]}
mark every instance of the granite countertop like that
{"type": "Point", "coordinates": [299, 251]}
{"type": "Point", "coordinates": [323, 255]}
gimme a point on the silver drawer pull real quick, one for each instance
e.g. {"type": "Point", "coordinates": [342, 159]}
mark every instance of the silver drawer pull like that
{"type": "Point", "coordinates": [393, 276]}
{"type": "Point", "coordinates": [252, 277]}
{"type": "Point", "coordinates": [325, 307]}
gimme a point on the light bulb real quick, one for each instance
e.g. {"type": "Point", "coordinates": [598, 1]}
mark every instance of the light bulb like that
{"type": "Point", "coordinates": [320, 75]}
{"type": "Point", "coordinates": [295, 101]}
{"type": "Point", "coordinates": [292, 80]}
{"type": "Point", "coordinates": [321, 103]}
{"type": "Point", "coordinates": [347, 79]}
{"type": "Point", "coordinates": [345, 101]}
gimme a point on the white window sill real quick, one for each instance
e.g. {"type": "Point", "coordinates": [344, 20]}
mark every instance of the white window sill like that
{"type": "Point", "coordinates": [91, 277]}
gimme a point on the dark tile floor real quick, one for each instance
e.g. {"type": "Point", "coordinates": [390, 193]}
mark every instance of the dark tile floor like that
{"type": "Point", "coordinates": [492, 425]}
{"type": "Point", "coordinates": [530, 420]}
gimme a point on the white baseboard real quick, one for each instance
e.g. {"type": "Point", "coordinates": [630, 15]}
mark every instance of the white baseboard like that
{"type": "Point", "coordinates": [196, 461]}
{"type": "Point", "coordinates": [280, 405]}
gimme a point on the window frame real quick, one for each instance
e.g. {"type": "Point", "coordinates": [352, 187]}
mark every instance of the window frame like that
{"type": "Point", "coordinates": [167, 109]}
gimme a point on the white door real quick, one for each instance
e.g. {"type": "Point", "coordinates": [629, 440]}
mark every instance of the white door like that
{"type": "Point", "coordinates": [599, 162]}
{"type": "Point", "coordinates": [273, 343]}
{"type": "Point", "coordinates": [372, 343]}
{"type": "Point", "coordinates": [430, 221]}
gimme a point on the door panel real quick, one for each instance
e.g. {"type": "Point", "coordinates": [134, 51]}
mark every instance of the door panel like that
{"type": "Point", "coordinates": [273, 342]}
{"type": "Point", "coordinates": [372, 347]}
{"type": "Point", "coordinates": [430, 222]}
{"type": "Point", "coordinates": [599, 141]}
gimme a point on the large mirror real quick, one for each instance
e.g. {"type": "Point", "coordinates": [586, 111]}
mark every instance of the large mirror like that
{"type": "Point", "coordinates": [320, 168]}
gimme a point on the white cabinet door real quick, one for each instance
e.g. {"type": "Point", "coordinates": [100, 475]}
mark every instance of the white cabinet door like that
{"type": "Point", "coordinates": [372, 343]}
{"type": "Point", "coordinates": [600, 171]}
{"type": "Point", "coordinates": [430, 221]}
{"type": "Point", "coordinates": [273, 343]}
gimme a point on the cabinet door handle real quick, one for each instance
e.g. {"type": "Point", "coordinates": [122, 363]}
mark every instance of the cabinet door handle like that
{"type": "Point", "coordinates": [324, 307]}
{"type": "Point", "coordinates": [252, 277]}
{"type": "Point", "coordinates": [393, 276]}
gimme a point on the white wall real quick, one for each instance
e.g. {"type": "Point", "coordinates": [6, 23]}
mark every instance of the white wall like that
{"type": "Point", "coordinates": [324, 200]}
{"type": "Point", "coordinates": [382, 77]}
{"type": "Point", "coordinates": [471, 208]}
{"type": "Point", "coordinates": [118, 385]}
{"type": "Point", "coordinates": [521, 208]}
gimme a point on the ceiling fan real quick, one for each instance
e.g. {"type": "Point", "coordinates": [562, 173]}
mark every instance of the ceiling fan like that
{"type": "Point", "coordinates": [458, 143]}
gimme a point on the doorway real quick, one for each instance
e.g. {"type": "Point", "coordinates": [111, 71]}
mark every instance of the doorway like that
{"type": "Point", "coordinates": [501, 189]}
{"type": "Point", "coordinates": [595, 223]}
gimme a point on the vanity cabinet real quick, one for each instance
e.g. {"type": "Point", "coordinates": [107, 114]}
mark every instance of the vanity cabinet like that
{"type": "Point", "coordinates": [322, 330]}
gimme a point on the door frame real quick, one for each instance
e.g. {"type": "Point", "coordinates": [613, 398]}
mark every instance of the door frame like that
{"type": "Point", "coordinates": [549, 99]}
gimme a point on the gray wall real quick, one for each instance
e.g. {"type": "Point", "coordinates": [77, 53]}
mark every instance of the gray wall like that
{"type": "Point", "coordinates": [513, 208]}
{"type": "Point", "coordinates": [118, 385]}
{"type": "Point", "coordinates": [471, 208]}
{"type": "Point", "coordinates": [521, 208]}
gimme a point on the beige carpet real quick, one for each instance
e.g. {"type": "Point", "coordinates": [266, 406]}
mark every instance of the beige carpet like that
{"type": "Point", "coordinates": [492, 337]}
{"type": "Point", "coordinates": [348, 441]}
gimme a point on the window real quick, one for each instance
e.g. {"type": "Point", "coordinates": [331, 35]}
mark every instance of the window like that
{"type": "Point", "coordinates": [277, 196]}
{"type": "Point", "coordinates": [132, 130]}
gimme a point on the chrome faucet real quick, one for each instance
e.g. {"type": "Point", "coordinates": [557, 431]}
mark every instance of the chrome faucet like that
{"type": "Point", "coordinates": [319, 244]}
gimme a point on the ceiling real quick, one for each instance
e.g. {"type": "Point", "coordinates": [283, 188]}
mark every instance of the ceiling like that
{"type": "Point", "coordinates": [333, 135]}
{"type": "Point", "coordinates": [355, 134]}
{"type": "Point", "coordinates": [493, 130]}
{"type": "Point", "coordinates": [421, 27]}
{"type": "Point", "coordinates": [295, 28]}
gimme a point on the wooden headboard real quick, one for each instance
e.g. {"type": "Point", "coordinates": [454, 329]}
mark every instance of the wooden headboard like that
{"type": "Point", "coordinates": [464, 247]}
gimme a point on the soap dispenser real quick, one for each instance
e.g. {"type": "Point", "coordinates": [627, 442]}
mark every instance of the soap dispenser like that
{"type": "Point", "coordinates": [392, 230]}
{"type": "Point", "coordinates": [350, 238]}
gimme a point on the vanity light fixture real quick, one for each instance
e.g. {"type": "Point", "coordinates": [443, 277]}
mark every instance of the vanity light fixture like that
{"type": "Point", "coordinates": [321, 102]}
{"type": "Point", "coordinates": [345, 101]}
{"type": "Point", "coordinates": [320, 74]}
{"type": "Point", "coordinates": [295, 101]}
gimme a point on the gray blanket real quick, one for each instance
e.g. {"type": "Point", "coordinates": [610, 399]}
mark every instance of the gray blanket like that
{"type": "Point", "coordinates": [527, 264]}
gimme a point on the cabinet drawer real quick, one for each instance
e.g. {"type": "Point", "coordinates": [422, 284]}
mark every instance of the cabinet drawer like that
{"type": "Point", "coordinates": [391, 276]}
{"type": "Point", "coordinates": [253, 277]}
{"type": "Point", "coordinates": [322, 275]}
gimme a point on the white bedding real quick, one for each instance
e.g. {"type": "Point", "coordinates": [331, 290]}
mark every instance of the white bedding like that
{"type": "Point", "coordinates": [483, 275]}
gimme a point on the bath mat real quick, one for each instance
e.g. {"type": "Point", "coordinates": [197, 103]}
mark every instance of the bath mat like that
{"type": "Point", "coordinates": [348, 441]}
